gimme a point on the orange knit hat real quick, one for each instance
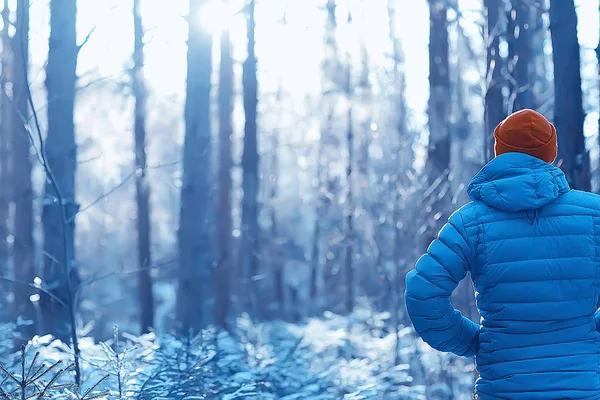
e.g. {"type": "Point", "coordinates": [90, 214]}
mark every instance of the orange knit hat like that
{"type": "Point", "coordinates": [528, 132]}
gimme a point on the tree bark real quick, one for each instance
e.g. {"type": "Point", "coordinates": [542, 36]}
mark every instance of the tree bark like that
{"type": "Point", "coordinates": [142, 189]}
{"type": "Point", "coordinates": [250, 163]}
{"type": "Point", "coordinates": [404, 161]}
{"type": "Point", "coordinates": [327, 192]}
{"type": "Point", "coordinates": [543, 87]}
{"type": "Point", "coordinates": [598, 58]}
{"type": "Point", "coordinates": [275, 248]}
{"type": "Point", "coordinates": [494, 99]}
{"type": "Point", "coordinates": [24, 268]}
{"type": "Point", "coordinates": [349, 234]}
{"type": "Point", "coordinates": [520, 50]}
{"type": "Point", "coordinates": [60, 269]}
{"type": "Point", "coordinates": [6, 127]}
{"type": "Point", "coordinates": [438, 152]}
{"type": "Point", "coordinates": [224, 223]}
{"type": "Point", "coordinates": [195, 256]}
{"type": "Point", "coordinates": [276, 256]}
{"type": "Point", "coordinates": [439, 99]}
{"type": "Point", "coordinates": [568, 108]}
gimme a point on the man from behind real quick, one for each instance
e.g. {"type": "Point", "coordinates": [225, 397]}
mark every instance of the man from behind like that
{"type": "Point", "coordinates": [531, 245]}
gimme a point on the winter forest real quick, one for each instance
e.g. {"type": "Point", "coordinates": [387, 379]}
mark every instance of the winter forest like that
{"type": "Point", "coordinates": [220, 199]}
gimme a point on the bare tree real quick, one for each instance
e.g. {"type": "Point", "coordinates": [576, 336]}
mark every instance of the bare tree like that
{"type": "Point", "coordinates": [194, 237]}
{"type": "Point", "coordinates": [404, 159]}
{"type": "Point", "coordinates": [146, 297]}
{"type": "Point", "coordinates": [6, 128]}
{"type": "Point", "coordinates": [494, 82]}
{"type": "Point", "coordinates": [349, 234]}
{"type": "Point", "coordinates": [224, 223]}
{"type": "Point", "coordinates": [520, 49]}
{"type": "Point", "coordinates": [328, 224]}
{"type": "Point", "coordinates": [250, 163]}
{"type": "Point", "coordinates": [58, 156]}
{"type": "Point", "coordinates": [543, 89]}
{"type": "Point", "coordinates": [438, 154]}
{"type": "Point", "coordinates": [22, 163]}
{"type": "Point", "coordinates": [277, 262]}
{"type": "Point", "coordinates": [568, 106]}
{"type": "Point", "coordinates": [329, 65]}
{"type": "Point", "coordinates": [598, 58]}
{"type": "Point", "coordinates": [61, 152]}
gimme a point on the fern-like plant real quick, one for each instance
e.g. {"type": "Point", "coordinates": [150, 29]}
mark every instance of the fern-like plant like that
{"type": "Point", "coordinates": [39, 381]}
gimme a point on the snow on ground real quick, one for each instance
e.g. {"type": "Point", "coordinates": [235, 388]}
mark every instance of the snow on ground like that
{"type": "Point", "coordinates": [331, 357]}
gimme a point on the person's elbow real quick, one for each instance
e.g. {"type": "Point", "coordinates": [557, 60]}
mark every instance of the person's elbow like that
{"type": "Point", "coordinates": [421, 305]}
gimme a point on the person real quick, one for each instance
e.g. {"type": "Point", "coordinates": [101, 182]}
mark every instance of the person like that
{"type": "Point", "coordinates": [531, 246]}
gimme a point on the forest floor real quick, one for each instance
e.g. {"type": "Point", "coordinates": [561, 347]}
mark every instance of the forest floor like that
{"type": "Point", "coordinates": [331, 357]}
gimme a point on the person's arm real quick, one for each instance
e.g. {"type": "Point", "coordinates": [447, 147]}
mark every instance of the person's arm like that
{"type": "Point", "coordinates": [429, 287]}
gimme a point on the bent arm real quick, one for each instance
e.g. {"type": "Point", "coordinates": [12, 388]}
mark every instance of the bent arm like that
{"type": "Point", "coordinates": [429, 287]}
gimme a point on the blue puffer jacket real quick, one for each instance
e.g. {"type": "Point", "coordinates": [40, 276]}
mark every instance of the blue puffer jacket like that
{"type": "Point", "coordinates": [531, 245]}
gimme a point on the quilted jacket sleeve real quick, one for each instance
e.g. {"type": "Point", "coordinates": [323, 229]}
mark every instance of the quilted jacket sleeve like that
{"type": "Point", "coordinates": [597, 318]}
{"type": "Point", "coordinates": [428, 290]}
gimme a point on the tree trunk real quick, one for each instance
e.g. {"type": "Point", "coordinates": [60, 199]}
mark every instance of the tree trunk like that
{"type": "Point", "coordinates": [520, 55]}
{"type": "Point", "coordinates": [349, 235]}
{"type": "Point", "coordinates": [438, 157]}
{"type": "Point", "coordinates": [328, 222]}
{"type": "Point", "coordinates": [250, 162]}
{"type": "Point", "coordinates": [321, 169]}
{"type": "Point", "coordinates": [6, 127]}
{"type": "Point", "coordinates": [24, 268]}
{"type": "Point", "coordinates": [404, 161]}
{"type": "Point", "coordinates": [60, 269]}
{"type": "Point", "coordinates": [568, 108]}
{"type": "Point", "coordinates": [224, 224]}
{"type": "Point", "coordinates": [598, 58]}
{"type": "Point", "coordinates": [543, 89]}
{"type": "Point", "coordinates": [195, 256]}
{"type": "Point", "coordinates": [277, 263]}
{"type": "Point", "coordinates": [494, 99]}
{"type": "Point", "coordinates": [142, 188]}
{"type": "Point", "coordinates": [276, 259]}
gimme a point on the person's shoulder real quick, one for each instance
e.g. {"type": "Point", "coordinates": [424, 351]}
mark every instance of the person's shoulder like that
{"type": "Point", "coordinates": [580, 199]}
{"type": "Point", "coordinates": [471, 212]}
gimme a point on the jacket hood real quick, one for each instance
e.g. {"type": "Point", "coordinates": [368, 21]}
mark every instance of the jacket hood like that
{"type": "Point", "coordinates": [518, 182]}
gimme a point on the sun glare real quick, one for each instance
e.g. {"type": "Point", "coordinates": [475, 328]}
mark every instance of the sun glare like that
{"type": "Point", "coordinates": [215, 16]}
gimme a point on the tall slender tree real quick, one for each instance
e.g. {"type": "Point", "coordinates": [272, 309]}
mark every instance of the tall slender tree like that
{"type": "Point", "coordinates": [329, 66]}
{"type": "Point", "coordinates": [194, 236]}
{"type": "Point", "coordinates": [494, 99]}
{"type": "Point", "coordinates": [542, 85]}
{"type": "Point", "coordinates": [328, 221]}
{"type": "Point", "coordinates": [404, 161]}
{"type": "Point", "coordinates": [568, 105]}
{"type": "Point", "coordinates": [277, 264]}
{"type": "Point", "coordinates": [349, 229]}
{"type": "Point", "coordinates": [60, 149]}
{"type": "Point", "coordinates": [5, 137]}
{"type": "Point", "coordinates": [520, 57]}
{"type": "Point", "coordinates": [224, 223]}
{"type": "Point", "coordinates": [250, 163]}
{"type": "Point", "coordinates": [438, 154]}
{"type": "Point", "coordinates": [598, 58]}
{"type": "Point", "coordinates": [142, 189]}
{"type": "Point", "coordinates": [22, 163]}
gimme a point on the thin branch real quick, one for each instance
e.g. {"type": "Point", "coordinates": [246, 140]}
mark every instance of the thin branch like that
{"type": "Point", "coordinates": [63, 213]}
{"type": "Point", "coordinates": [117, 187]}
{"type": "Point", "coordinates": [86, 39]}
{"type": "Point", "coordinates": [33, 286]}
{"type": "Point", "coordinates": [103, 196]}
{"type": "Point", "coordinates": [125, 273]}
